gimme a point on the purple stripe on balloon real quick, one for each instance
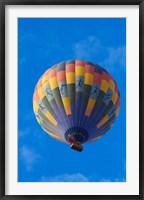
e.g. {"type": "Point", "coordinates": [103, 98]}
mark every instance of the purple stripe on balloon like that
{"type": "Point", "coordinates": [82, 114]}
{"type": "Point", "coordinates": [77, 109]}
{"type": "Point", "coordinates": [64, 119]}
{"type": "Point", "coordinates": [59, 113]}
{"type": "Point", "coordinates": [98, 132]}
{"type": "Point", "coordinates": [91, 121]}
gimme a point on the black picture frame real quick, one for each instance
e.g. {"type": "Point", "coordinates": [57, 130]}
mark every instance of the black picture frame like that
{"type": "Point", "coordinates": [3, 3]}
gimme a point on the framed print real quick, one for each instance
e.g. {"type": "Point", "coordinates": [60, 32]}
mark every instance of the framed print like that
{"type": "Point", "coordinates": [71, 87]}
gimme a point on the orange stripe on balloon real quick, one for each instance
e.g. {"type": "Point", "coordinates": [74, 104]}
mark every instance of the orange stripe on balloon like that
{"type": "Point", "coordinates": [70, 68]}
{"type": "Point", "coordinates": [39, 84]}
{"type": "Point", "coordinates": [52, 73]}
{"type": "Point", "coordinates": [97, 78]}
{"type": "Point", "coordinates": [116, 88]}
{"type": "Point", "coordinates": [79, 63]}
{"type": "Point", "coordinates": [36, 96]}
{"type": "Point", "coordinates": [118, 101]}
{"type": "Point", "coordinates": [105, 76]}
{"type": "Point", "coordinates": [61, 76]}
{"type": "Point", "coordinates": [46, 73]}
{"type": "Point", "coordinates": [89, 69]}
{"type": "Point", "coordinates": [110, 77]}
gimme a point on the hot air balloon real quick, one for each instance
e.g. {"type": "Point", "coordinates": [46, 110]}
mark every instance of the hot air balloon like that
{"type": "Point", "coordinates": [76, 102]}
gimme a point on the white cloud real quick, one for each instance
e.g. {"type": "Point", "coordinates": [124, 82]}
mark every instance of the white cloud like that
{"type": "Point", "coordinates": [29, 157]}
{"type": "Point", "coordinates": [120, 180]}
{"type": "Point", "coordinates": [91, 49]}
{"type": "Point", "coordinates": [87, 48]}
{"type": "Point", "coordinates": [105, 180]}
{"type": "Point", "coordinates": [112, 180]}
{"type": "Point", "coordinates": [78, 177]}
{"type": "Point", "coordinates": [29, 116]}
{"type": "Point", "coordinates": [116, 58]}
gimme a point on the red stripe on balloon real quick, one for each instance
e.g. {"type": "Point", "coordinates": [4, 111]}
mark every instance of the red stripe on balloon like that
{"type": "Point", "coordinates": [70, 68]}
{"type": "Point", "coordinates": [52, 73]}
{"type": "Point", "coordinates": [35, 96]}
{"type": "Point", "coordinates": [39, 84]}
{"type": "Point", "coordinates": [116, 88]}
{"type": "Point", "coordinates": [97, 78]}
{"type": "Point", "coordinates": [46, 73]}
{"type": "Point", "coordinates": [89, 69]}
{"type": "Point", "coordinates": [105, 76]}
{"type": "Point", "coordinates": [118, 101]}
{"type": "Point", "coordinates": [61, 76]}
{"type": "Point", "coordinates": [79, 63]}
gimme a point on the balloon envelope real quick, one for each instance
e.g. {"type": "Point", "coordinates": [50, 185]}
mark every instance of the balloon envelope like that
{"type": "Point", "coordinates": [76, 101]}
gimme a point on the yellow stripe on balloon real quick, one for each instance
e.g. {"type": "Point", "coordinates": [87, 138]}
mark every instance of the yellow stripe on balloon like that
{"type": "Point", "coordinates": [51, 118]}
{"type": "Point", "coordinates": [111, 84]}
{"type": "Point", "coordinates": [96, 138]}
{"type": "Point", "coordinates": [103, 121]}
{"type": "Point", "coordinates": [90, 106]}
{"type": "Point", "coordinates": [70, 77]}
{"type": "Point", "coordinates": [117, 110]}
{"type": "Point", "coordinates": [53, 82]}
{"type": "Point", "coordinates": [44, 79]}
{"type": "Point", "coordinates": [88, 79]}
{"type": "Point", "coordinates": [80, 70]}
{"type": "Point", "coordinates": [114, 97]}
{"type": "Point", "coordinates": [46, 83]}
{"type": "Point", "coordinates": [104, 85]}
{"type": "Point", "coordinates": [66, 103]}
{"type": "Point", "coordinates": [41, 93]}
{"type": "Point", "coordinates": [35, 107]}
{"type": "Point", "coordinates": [53, 135]}
{"type": "Point", "coordinates": [38, 120]}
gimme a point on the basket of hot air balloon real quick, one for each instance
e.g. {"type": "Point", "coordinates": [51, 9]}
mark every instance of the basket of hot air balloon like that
{"type": "Point", "coordinates": [76, 102]}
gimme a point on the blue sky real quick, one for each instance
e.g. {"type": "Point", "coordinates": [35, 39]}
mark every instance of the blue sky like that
{"type": "Point", "coordinates": [42, 43]}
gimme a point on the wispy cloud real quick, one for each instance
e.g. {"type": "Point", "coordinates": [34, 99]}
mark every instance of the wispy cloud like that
{"type": "Point", "coordinates": [114, 58]}
{"type": "Point", "coordinates": [27, 119]}
{"type": "Point", "coordinates": [29, 157]}
{"type": "Point", "coordinates": [29, 116]}
{"type": "Point", "coordinates": [112, 180]}
{"type": "Point", "coordinates": [105, 180]}
{"type": "Point", "coordinates": [77, 177]}
{"type": "Point", "coordinates": [87, 48]}
{"type": "Point", "coordinates": [22, 133]}
{"type": "Point", "coordinates": [25, 131]}
{"type": "Point", "coordinates": [27, 36]}
{"type": "Point", "coordinates": [120, 180]}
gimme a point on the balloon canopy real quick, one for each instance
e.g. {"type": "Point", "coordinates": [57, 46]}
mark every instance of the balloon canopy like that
{"type": "Point", "coordinates": [76, 102]}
